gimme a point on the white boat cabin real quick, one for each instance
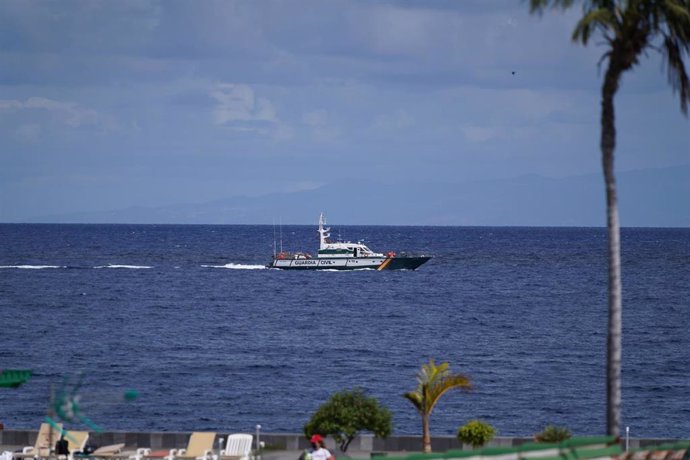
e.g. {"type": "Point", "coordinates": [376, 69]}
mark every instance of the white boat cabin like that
{"type": "Point", "coordinates": [347, 250]}
{"type": "Point", "coordinates": [340, 249]}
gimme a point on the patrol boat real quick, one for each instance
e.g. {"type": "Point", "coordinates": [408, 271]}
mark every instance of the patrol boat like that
{"type": "Point", "coordinates": [344, 256]}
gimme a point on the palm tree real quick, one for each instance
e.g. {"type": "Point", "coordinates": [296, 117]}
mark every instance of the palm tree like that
{"type": "Point", "coordinates": [433, 382]}
{"type": "Point", "coordinates": [629, 28]}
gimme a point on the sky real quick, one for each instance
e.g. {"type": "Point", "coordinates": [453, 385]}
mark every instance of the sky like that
{"type": "Point", "coordinates": [111, 104]}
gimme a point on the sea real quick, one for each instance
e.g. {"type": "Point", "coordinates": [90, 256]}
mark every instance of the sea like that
{"type": "Point", "coordinates": [190, 318]}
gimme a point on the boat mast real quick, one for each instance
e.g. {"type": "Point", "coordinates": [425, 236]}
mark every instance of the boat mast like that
{"type": "Point", "coordinates": [323, 232]}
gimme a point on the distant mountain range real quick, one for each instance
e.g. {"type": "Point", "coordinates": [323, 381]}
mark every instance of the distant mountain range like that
{"type": "Point", "coordinates": [647, 198]}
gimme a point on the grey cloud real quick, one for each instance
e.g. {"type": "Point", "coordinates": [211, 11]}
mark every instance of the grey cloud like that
{"type": "Point", "coordinates": [237, 102]}
{"type": "Point", "coordinates": [67, 113]}
{"type": "Point", "coordinates": [439, 43]}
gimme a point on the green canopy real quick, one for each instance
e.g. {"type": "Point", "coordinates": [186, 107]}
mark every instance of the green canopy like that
{"type": "Point", "coordinates": [12, 378]}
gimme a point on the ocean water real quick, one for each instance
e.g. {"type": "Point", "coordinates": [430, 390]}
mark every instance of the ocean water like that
{"type": "Point", "coordinates": [188, 316]}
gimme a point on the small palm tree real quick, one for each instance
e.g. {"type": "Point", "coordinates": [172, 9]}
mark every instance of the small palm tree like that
{"type": "Point", "coordinates": [433, 382]}
{"type": "Point", "coordinates": [630, 28]}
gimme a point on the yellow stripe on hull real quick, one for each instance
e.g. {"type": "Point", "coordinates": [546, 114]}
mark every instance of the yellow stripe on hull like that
{"type": "Point", "coordinates": [384, 264]}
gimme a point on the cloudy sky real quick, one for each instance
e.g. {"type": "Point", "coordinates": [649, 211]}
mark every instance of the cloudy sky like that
{"type": "Point", "coordinates": [111, 104]}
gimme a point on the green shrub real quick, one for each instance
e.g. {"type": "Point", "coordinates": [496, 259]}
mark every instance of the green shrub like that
{"type": "Point", "coordinates": [347, 413]}
{"type": "Point", "coordinates": [553, 433]}
{"type": "Point", "coordinates": [476, 433]}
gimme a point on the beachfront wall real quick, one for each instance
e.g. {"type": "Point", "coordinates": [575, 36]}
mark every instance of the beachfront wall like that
{"type": "Point", "coordinates": [12, 439]}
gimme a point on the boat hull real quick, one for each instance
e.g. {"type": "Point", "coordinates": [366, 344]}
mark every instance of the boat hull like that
{"type": "Point", "coordinates": [371, 263]}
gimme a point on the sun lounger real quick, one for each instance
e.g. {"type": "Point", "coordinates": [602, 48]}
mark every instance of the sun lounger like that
{"type": "Point", "coordinates": [76, 441]}
{"type": "Point", "coordinates": [45, 441]}
{"type": "Point", "coordinates": [112, 451]}
{"type": "Point", "coordinates": [237, 447]}
{"type": "Point", "coordinates": [199, 447]}
{"type": "Point", "coordinates": [108, 450]}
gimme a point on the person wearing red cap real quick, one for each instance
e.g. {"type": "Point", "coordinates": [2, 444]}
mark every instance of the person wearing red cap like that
{"type": "Point", "coordinates": [319, 451]}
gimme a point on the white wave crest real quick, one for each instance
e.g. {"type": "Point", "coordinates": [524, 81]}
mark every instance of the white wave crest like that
{"type": "Point", "coordinates": [237, 266]}
{"type": "Point", "coordinates": [134, 267]}
{"type": "Point", "coordinates": [32, 267]}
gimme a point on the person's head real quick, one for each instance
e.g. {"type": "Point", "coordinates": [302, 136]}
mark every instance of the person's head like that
{"type": "Point", "coordinates": [317, 441]}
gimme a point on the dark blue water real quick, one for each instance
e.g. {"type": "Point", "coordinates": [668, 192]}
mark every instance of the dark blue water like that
{"type": "Point", "coordinates": [212, 344]}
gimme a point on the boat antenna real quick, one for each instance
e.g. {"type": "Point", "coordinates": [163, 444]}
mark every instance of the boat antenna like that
{"type": "Point", "coordinates": [274, 237]}
{"type": "Point", "coordinates": [323, 232]}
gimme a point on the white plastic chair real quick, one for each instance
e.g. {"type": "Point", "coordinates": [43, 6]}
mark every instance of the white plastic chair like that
{"type": "Point", "coordinates": [238, 446]}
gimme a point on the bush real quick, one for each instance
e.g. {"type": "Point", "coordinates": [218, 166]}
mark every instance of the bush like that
{"type": "Point", "coordinates": [553, 434]}
{"type": "Point", "coordinates": [345, 414]}
{"type": "Point", "coordinates": [476, 433]}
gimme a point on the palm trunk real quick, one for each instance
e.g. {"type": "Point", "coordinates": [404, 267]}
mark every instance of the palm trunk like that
{"type": "Point", "coordinates": [608, 145]}
{"type": "Point", "coordinates": [426, 434]}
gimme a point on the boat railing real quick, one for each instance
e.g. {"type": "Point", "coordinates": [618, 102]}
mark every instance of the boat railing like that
{"type": "Point", "coordinates": [293, 256]}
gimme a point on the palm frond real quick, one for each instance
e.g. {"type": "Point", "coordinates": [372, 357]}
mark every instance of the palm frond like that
{"type": "Point", "coordinates": [443, 386]}
{"type": "Point", "coordinates": [677, 11]}
{"type": "Point", "coordinates": [432, 382]}
{"type": "Point", "coordinates": [677, 17]}
{"type": "Point", "coordinates": [677, 74]}
{"type": "Point", "coordinates": [538, 6]}
{"type": "Point", "coordinates": [600, 18]}
{"type": "Point", "coordinates": [431, 372]}
{"type": "Point", "coordinates": [416, 399]}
